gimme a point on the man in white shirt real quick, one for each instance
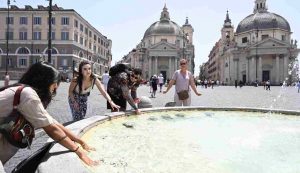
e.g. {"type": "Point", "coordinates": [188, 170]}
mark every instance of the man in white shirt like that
{"type": "Point", "coordinates": [105, 79]}
{"type": "Point", "coordinates": [160, 81]}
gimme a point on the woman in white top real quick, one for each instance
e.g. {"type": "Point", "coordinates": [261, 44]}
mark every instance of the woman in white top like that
{"type": "Point", "coordinates": [80, 89]}
{"type": "Point", "coordinates": [41, 81]}
{"type": "Point", "coordinates": [184, 79]}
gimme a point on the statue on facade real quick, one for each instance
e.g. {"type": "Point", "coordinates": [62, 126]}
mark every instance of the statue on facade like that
{"type": "Point", "coordinates": [292, 42]}
{"type": "Point", "coordinates": [295, 43]}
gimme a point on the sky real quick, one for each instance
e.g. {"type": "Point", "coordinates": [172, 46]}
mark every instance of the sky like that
{"type": "Point", "coordinates": [125, 21]}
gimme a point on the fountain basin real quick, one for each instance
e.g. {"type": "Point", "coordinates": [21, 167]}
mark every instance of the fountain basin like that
{"type": "Point", "coordinates": [189, 139]}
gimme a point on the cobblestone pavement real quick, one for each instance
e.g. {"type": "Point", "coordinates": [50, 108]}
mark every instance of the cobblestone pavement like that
{"type": "Point", "coordinates": [222, 96]}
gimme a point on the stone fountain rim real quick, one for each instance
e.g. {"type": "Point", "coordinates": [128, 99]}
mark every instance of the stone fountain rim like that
{"type": "Point", "coordinates": [59, 156]}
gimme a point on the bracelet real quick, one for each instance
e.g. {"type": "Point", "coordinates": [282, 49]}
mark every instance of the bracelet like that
{"type": "Point", "coordinates": [58, 141]}
{"type": "Point", "coordinates": [76, 149]}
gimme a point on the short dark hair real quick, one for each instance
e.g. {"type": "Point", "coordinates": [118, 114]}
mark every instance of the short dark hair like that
{"type": "Point", "coordinates": [137, 71]}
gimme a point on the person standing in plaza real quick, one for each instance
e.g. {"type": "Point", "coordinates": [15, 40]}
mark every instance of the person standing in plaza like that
{"type": "Point", "coordinates": [154, 82]}
{"type": "Point", "coordinates": [80, 89]}
{"type": "Point", "coordinates": [182, 79]}
{"type": "Point", "coordinates": [298, 86]}
{"type": "Point", "coordinates": [105, 79]}
{"type": "Point", "coordinates": [161, 82]}
{"type": "Point", "coordinates": [122, 87]}
{"type": "Point", "coordinates": [268, 85]}
{"type": "Point", "coordinates": [6, 79]}
{"type": "Point", "coordinates": [33, 94]}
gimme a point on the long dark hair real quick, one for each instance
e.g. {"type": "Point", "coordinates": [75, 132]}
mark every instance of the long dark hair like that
{"type": "Point", "coordinates": [80, 76]}
{"type": "Point", "coordinates": [40, 76]}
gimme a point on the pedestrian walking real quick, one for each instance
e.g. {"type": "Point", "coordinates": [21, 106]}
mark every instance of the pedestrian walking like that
{"type": "Point", "coordinates": [80, 89]}
{"type": "Point", "coordinates": [105, 79]}
{"type": "Point", "coordinates": [298, 86]}
{"type": "Point", "coordinates": [28, 100]}
{"type": "Point", "coordinates": [161, 82]}
{"type": "Point", "coordinates": [122, 87]}
{"type": "Point", "coordinates": [154, 83]}
{"type": "Point", "coordinates": [268, 85]}
{"type": "Point", "coordinates": [184, 79]}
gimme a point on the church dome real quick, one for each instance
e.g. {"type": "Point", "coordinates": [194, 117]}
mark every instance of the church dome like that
{"type": "Point", "coordinates": [164, 27]}
{"type": "Point", "coordinates": [263, 20]}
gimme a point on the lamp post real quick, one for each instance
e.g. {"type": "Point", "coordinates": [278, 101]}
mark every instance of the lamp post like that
{"type": "Point", "coordinates": [6, 77]}
{"type": "Point", "coordinates": [50, 31]}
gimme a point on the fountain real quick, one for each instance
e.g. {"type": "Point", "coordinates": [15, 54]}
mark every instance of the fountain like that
{"type": "Point", "coordinates": [190, 139]}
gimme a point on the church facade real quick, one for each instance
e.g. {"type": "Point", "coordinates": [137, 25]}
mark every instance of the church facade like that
{"type": "Point", "coordinates": [163, 45]}
{"type": "Point", "coordinates": [261, 49]}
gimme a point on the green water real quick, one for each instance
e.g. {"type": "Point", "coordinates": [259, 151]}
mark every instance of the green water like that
{"type": "Point", "coordinates": [198, 142]}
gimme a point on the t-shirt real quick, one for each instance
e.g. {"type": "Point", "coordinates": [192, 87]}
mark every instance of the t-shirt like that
{"type": "Point", "coordinates": [160, 79]}
{"type": "Point", "coordinates": [182, 81]}
{"type": "Point", "coordinates": [32, 109]}
{"type": "Point", "coordinates": [105, 78]}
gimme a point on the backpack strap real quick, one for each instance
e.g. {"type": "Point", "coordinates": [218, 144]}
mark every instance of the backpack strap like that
{"type": "Point", "coordinates": [17, 97]}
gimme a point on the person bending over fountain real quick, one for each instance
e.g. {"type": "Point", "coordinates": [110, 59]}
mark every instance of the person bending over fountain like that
{"type": "Point", "coordinates": [122, 86]}
{"type": "Point", "coordinates": [25, 103]}
{"type": "Point", "coordinates": [184, 79]}
{"type": "Point", "coordinates": [80, 89]}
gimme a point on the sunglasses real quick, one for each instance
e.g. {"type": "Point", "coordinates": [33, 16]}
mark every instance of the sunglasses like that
{"type": "Point", "coordinates": [182, 63]}
{"type": "Point", "coordinates": [135, 77]}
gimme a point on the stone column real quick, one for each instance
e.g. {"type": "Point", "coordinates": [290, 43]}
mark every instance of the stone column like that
{"type": "Point", "coordinates": [259, 69]}
{"type": "Point", "coordinates": [150, 66]}
{"type": "Point", "coordinates": [285, 67]}
{"type": "Point", "coordinates": [170, 67]}
{"type": "Point", "coordinates": [277, 70]}
{"type": "Point", "coordinates": [156, 65]}
{"type": "Point", "coordinates": [253, 68]}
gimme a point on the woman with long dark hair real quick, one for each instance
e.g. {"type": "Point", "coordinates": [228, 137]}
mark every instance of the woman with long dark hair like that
{"type": "Point", "coordinates": [80, 89]}
{"type": "Point", "coordinates": [40, 81]}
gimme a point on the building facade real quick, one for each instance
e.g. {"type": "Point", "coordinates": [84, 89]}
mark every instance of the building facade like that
{"type": "Point", "coordinates": [163, 45]}
{"type": "Point", "coordinates": [260, 49]}
{"type": "Point", "coordinates": [73, 39]}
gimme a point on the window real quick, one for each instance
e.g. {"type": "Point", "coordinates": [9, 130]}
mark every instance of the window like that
{"type": "Point", "coordinates": [37, 50]}
{"type": "Point", "coordinates": [81, 40]}
{"type": "Point", "coordinates": [95, 37]}
{"type": "Point", "coordinates": [90, 45]}
{"type": "Point", "coordinates": [164, 40]}
{"type": "Point", "coordinates": [52, 35]}
{"type": "Point", "coordinates": [37, 35]}
{"type": "Point", "coordinates": [10, 20]}
{"type": "Point", "coordinates": [283, 38]}
{"type": "Point", "coordinates": [90, 33]}
{"type": "Point", "coordinates": [76, 23]}
{"type": "Point", "coordinates": [64, 62]}
{"type": "Point", "coordinates": [244, 39]}
{"type": "Point", "coordinates": [37, 20]}
{"type": "Point", "coordinates": [86, 31]}
{"type": "Point", "coordinates": [64, 21]}
{"type": "Point", "coordinates": [23, 20]}
{"type": "Point", "coordinates": [52, 20]}
{"type": "Point", "coordinates": [99, 40]}
{"type": "Point", "coordinates": [23, 50]}
{"type": "Point", "coordinates": [23, 35]}
{"type": "Point", "coordinates": [64, 35]}
{"type": "Point", "coordinates": [22, 62]}
{"type": "Point", "coordinates": [76, 37]}
{"type": "Point", "coordinates": [81, 27]}
{"type": "Point", "coordinates": [10, 35]}
{"type": "Point", "coordinates": [264, 37]}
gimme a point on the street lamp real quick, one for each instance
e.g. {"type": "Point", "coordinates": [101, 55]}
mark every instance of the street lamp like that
{"type": "Point", "coordinates": [50, 31]}
{"type": "Point", "coordinates": [6, 78]}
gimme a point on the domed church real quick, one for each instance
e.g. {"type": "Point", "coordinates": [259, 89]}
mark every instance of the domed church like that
{"type": "Point", "coordinates": [163, 45]}
{"type": "Point", "coordinates": [261, 49]}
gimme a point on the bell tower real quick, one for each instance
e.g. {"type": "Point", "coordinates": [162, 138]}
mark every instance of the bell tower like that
{"type": "Point", "coordinates": [188, 30]}
{"type": "Point", "coordinates": [227, 31]}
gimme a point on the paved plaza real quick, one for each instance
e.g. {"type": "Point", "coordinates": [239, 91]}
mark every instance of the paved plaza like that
{"type": "Point", "coordinates": [222, 96]}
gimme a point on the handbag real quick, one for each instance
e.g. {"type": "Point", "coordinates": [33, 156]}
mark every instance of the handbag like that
{"type": "Point", "coordinates": [15, 128]}
{"type": "Point", "coordinates": [183, 95]}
